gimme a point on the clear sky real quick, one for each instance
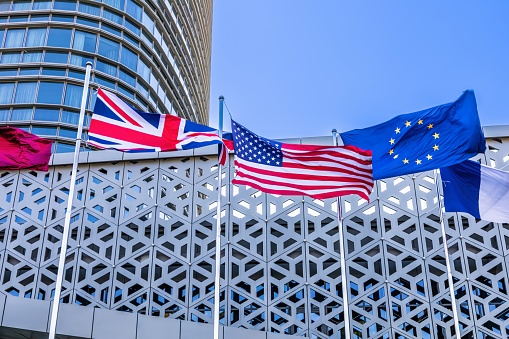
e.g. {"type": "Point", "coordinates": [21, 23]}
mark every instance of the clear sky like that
{"type": "Point", "coordinates": [296, 68]}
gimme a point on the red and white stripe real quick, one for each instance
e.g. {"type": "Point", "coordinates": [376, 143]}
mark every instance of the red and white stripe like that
{"type": "Point", "coordinates": [317, 171]}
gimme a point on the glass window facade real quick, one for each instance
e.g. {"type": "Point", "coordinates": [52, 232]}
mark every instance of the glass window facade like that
{"type": "Point", "coordinates": [5, 114]}
{"type": "Point", "coordinates": [59, 37]}
{"type": "Point", "coordinates": [69, 117]}
{"type": "Point", "coordinates": [21, 114]}
{"type": "Point", "coordinates": [84, 41]}
{"type": "Point", "coordinates": [50, 92]}
{"type": "Point", "coordinates": [67, 5]}
{"type": "Point", "coordinates": [42, 4]}
{"type": "Point", "coordinates": [35, 37]}
{"type": "Point", "coordinates": [46, 114]}
{"type": "Point", "coordinates": [89, 9]}
{"type": "Point", "coordinates": [108, 48]}
{"type": "Point", "coordinates": [14, 38]}
{"type": "Point", "coordinates": [32, 57]}
{"type": "Point", "coordinates": [73, 95]}
{"type": "Point", "coordinates": [25, 92]}
{"type": "Point", "coordinates": [6, 91]}
{"type": "Point", "coordinates": [21, 5]}
{"type": "Point", "coordinates": [56, 57]}
{"type": "Point", "coordinates": [47, 43]}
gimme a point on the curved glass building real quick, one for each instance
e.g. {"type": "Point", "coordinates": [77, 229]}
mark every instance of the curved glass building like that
{"type": "Point", "coordinates": [154, 54]}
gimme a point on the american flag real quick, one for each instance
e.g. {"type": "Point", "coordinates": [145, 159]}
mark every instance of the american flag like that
{"type": "Point", "coordinates": [290, 169]}
{"type": "Point", "coordinates": [117, 125]}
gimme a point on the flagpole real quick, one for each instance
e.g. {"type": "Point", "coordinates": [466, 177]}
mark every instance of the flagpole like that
{"type": "Point", "coordinates": [217, 284]}
{"type": "Point", "coordinates": [447, 261]}
{"type": "Point", "coordinates": [72, 186]}
{"type": "Point", "coordinates": [344, 286]}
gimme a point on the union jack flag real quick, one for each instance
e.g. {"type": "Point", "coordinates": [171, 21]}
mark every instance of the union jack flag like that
{"type": "Point", "coordinates": [119, 126]}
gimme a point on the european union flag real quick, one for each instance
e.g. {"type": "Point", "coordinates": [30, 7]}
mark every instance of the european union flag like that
{"type": "Point", "coordinates": [416, 142]}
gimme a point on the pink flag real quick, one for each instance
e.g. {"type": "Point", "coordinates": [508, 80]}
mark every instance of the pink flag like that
{"type": "Point", "coordinates": [20, 149]}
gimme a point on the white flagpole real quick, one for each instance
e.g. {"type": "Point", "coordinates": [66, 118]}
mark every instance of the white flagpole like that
{"type": "Point", "coordinates": [447, 261]}
{"type": "Point", "coordinates": [217, 281]}
{"type": "Point", "coordinates": [344, 286]}
{"type": "Point", "coordinates": [65, 234]}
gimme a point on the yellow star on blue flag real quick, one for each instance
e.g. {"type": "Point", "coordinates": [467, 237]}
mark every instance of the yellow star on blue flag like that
{"type": "Point", "coordinates": [416, 142]}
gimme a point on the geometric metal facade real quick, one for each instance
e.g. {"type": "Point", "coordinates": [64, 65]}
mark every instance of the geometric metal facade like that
{"type": "Point", "coordinates": [143, 240]}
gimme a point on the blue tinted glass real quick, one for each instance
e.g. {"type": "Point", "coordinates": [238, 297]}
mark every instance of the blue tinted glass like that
{"type": "Point", "coordinates": [105, 82]}
{"type": "Point", "coordinates": [64, 148]}
{"type": "Point", "coordinates": [21, 114]}
{"type": "Point", "coordinates": [10, 58]}
{"type": "Point", "coordinates": [39, 18]}
{"type": "Point", "coordinates": [108, 48]}
{"type": "Point", "coordinates": [111, 29]}
{"type": "Point", "coordinates": [118, 4]}
{"type": "Point", "coordinates": [142, 89]}
{"type": "Point", "coordinates": [148, 22]}
{"type": "Point", "coordinates": [87, 22]}
{"type": "Point", "coordinates": [35, 37]}
{"type": "Point", "coordinates": [89, 9]}
{"type": "Point", "coordinates": [8, 72]}
{"type": "Point", "coordinates": [132, 27]}
{"type": "Point", "coordinates": [50, 92]}
{"type": "Point", "coordinates": [44, 130]}
{"type": "Point", "coordinates": [109, 15]}
{"type": "Point", "coordinates": [59, 37]}
{"type": "Point", "coordinates": [143, 70]}
{"type": "Point", "coordinates": [62, 18]}
{"type": "Point", "coordinates": [32, 57]}
{"type": "Point", "coordinates": [4, 114]}
{"type": "Point", "coordinates": [142, 103]}
{"type": "Point", "coordinates": [106, 68]}
{"type": "Point", "coordinates": [69, 117]}
{"type": "Point", "coordinates": [3, 19]}
{"type": "Point", "coordinates": [56, 57]}
{"type": "Point", "coordinates": [73, 95]}
{"type": "Point", "coordinates": [80, 60]}
{"type": "Point", "coordinates": [127, 78]}
{"type": "Point", "coordinates": [89, 116]}
{"type": "Point", "coordinates": [129, 38]}
{"type": "Point", "coordinates": [134, 10]}
{"type": "Point", "coordinates": [29, 71]}
{"type": "Point", "coordinates": [25, 92]}
{"type": "Point", "coordinates": [6, 90]}
{"type": "Point", "coordinates": [22, 18]}
{"type": "Point", "coordinates": [129, 59]}
{"type": "Point", "coordinates": [2, 33]}
{"type": "Point", "coordinates": [15, 37]}
{"type": "Point", "coordinates": [53, 71]}
{"type": "Point", "coordinates": [46, 114]}
{"type": "Point", "coordinates": [147, 39]}
{"type": "Point", "coordinates": [144, 49]}
{"type": "Point", "coordinates": [126, 91]}
{"type": "Point", "coordinates": [42, 4]}
{"type": "Point", "coordinates": [84, 41]}
{"type": "Point", "coordinates": [68, 133]}
{"type": "Point", "coordinates": [65, 5]}
{"type": "Point", "coordinates": [21, 5]}
{"type": "Point", "coordinates": [76, 75]}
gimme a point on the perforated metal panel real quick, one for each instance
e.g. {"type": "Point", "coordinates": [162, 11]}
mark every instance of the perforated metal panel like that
{"type": "Point", "coordinates": [143, 240]}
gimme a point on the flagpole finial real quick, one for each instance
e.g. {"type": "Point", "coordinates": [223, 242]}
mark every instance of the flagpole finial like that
{"type": "Point", "coordinates": [89, 63]}
{"type": "Point", "coordinates": [221, 97]}
{"type": "Point", "coordinates": [334, 130]}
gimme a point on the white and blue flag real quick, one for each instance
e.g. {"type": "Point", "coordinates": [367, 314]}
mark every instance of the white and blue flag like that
{"type": "Point", "coordinates": [476, 189]}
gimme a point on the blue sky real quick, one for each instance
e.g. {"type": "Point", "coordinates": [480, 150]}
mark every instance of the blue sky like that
{"type": "Point", "coordinates": [296, 68]}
